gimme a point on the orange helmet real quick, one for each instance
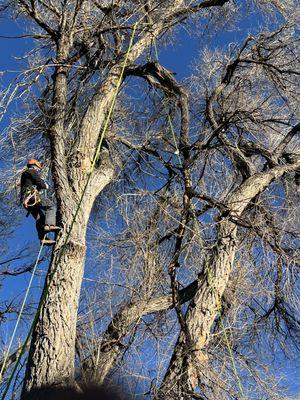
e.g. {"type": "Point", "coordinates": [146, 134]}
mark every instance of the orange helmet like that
{"type": "Point", "coordinates": [32, 161]}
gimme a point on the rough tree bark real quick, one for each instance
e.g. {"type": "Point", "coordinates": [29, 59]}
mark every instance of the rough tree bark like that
{"type": "Point", "coordinates": [51, 356]}
{"type": "Point", "coordinates": [182, 375]}
{"type": "Point", "coordinates": [52, 352]}
{"type": "Point", "coordinates": [111, 342]}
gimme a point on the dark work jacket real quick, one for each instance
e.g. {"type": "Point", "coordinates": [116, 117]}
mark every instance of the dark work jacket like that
{"type": "Point", "coordinates": [30, 178]}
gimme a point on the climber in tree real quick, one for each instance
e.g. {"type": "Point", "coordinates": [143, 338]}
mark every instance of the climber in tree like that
{"type": "Point", "coordinates": [36, 203]}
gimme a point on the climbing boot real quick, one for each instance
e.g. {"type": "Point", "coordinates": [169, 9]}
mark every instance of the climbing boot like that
{"type": "Point", "coordinates": [52, 228]}
{"type": "Point", "coordinates": [47, 242]}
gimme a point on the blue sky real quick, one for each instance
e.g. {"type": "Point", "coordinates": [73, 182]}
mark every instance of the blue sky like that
{"type": "Point", "coordinates": [177, 58]}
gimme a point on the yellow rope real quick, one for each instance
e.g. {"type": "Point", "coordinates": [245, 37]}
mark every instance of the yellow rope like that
{"type": "Point", "coordinates": [177, 152]}
{"type": "Point", "coordinates": [114, 99]}
{"type": "Point", "coordinates": [72, 223]}
{"type": "Point", "coordinates": [78, 207]}
{"type": "Point", "coordinates": [207, 268]}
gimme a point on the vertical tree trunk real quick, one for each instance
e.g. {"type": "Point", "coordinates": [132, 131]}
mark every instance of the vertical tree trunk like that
{"type": "Point", "coordinates": [182, 376]}
{"type": "Point", "coordinates": [52, 352]}
{"type": "Point", "coordinates": [52, 347]}
{"type": "Point", "coordinates": [51, 358]}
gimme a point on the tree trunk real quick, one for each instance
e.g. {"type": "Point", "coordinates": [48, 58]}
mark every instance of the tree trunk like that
{"type": "Point", "coordinates": [98, 365]}
{"type": "Point", "coordinates": [52, 351]}
{"type": "Point", "coordinates": [52, 347]}
{"type": "Point", "coordinates": [183, 375]}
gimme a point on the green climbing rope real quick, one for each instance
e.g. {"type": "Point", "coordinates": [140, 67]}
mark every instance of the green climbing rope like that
{"type": "Point", "coordinates": [207, 268]}
{"type": "Point", "coordinates": [96, 156]}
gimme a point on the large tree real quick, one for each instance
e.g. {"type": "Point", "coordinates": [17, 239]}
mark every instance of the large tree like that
{"type": "Point", "coordinates": [214, 164]}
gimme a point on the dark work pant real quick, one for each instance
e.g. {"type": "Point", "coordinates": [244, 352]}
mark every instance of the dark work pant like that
{"type": "Point", "coordinates": [45, 214]}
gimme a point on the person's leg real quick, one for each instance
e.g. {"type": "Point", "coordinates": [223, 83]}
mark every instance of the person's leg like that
{"type": "Point", "coordinates": [39, 217]}
{"type": "Point", "coordinates": [50, 212]}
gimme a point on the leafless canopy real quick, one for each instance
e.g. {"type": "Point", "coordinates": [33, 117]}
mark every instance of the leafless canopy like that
{"type": "Point", "coordinates": [190, 216]}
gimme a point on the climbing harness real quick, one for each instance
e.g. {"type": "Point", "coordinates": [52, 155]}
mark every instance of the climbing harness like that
{"type": "Point", "coordinates": [31, 197]}
{"type": "Point", "coordinates": [94, 161]}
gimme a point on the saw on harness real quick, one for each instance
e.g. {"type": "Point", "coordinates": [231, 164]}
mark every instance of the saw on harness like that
{"type": "Point", "coordinates": [31, 197]}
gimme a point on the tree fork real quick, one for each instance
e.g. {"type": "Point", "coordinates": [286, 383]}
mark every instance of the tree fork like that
{"type": "Point", "coordinates": [181, 378]}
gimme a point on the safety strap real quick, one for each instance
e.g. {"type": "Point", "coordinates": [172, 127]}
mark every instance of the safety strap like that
{"type": "Point", "coordinates": [32, 198]}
